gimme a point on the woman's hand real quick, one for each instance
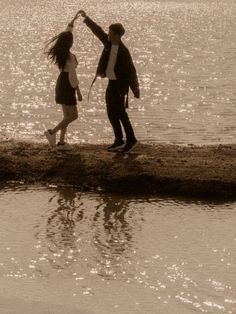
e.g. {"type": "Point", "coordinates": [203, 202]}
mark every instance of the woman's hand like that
{"type": "Point", "coordinates": [79, 95]}
{"type": "Point", "coordinates": [73, 20]}
{"type": "Point", "coordinates": [76, 16]}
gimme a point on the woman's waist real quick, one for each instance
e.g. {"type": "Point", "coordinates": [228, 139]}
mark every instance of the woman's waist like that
{"type": "Point", "coordinates": [63, 74]}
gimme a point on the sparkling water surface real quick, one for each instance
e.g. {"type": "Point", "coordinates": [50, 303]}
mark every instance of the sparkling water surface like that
{"type": "Point", "coordinates": [117, 254]}
{"type": "Point", "coordinates": [184, 52]}
{"type": "Point", "coordinates": [113, 253]}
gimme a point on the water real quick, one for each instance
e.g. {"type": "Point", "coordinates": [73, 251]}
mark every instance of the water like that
{"type": "Point", "coordinates": [63, 252]}
{"type": "Point", "coordinates": [184, 52]}
{"type": "Point", "coordinates": [116, 254]}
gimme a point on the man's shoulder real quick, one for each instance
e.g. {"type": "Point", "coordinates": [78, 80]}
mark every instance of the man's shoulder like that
{"type": "Point", "coordinates": [123, 46]}
{"type": "Point", "coordinates": [124, 49]}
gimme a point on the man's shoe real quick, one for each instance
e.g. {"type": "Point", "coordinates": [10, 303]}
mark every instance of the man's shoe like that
{"type": "Point", "coordinates": [129, 146]}
{"type": "Point", "coordinates": [50, 137]}
{"type": "Point", "coordinates": [63, 146]}
{"type": "Point", "coordinates": [116, 146]}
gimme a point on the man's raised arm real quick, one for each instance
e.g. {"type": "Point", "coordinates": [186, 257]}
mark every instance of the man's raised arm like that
{"type": "Point", "coordinates": [96, 29]}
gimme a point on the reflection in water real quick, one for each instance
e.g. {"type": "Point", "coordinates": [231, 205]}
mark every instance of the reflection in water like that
{"type": "Point", "coordinates": [111, 232]}
{"type": "Point", "coordinates": [148, 254]}
{"type": "Point", "coordinates": [112, 235]}
{"type": "Point", "coordinates": [116, 234]}
{"type": "Point", "coordinates": [61, 224]}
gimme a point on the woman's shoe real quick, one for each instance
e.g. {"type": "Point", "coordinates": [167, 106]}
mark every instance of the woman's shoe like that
{"type": "Point", "coordinates": [50, 137]}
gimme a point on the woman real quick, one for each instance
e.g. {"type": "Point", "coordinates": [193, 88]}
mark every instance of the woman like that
{"type": "Point", "coordinates": [67, 83]}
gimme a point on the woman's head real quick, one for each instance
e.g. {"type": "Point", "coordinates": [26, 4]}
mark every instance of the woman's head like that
{"type": "Point", "coordinates": [58, 53]}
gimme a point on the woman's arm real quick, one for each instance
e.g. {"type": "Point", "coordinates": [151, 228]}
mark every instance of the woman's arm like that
{"type": "Point", "coordinates": [70, 26]}
{"type": "Point", "coordinates": [75, 83]}
{"type": "Point", "coordinates": [79, 95]}
{"type": "Point", "coordinates": [73, 79]}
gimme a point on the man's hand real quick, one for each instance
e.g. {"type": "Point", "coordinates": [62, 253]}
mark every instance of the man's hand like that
{"type": "Point", "coordinates": [82, 13]}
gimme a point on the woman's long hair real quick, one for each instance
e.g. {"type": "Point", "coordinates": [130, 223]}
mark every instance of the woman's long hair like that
{"type": "Point", "coordinates": [58, 53]}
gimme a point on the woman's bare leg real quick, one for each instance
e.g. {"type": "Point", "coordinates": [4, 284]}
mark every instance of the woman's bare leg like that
{"type": "Point", "coordinates": [70, 114]}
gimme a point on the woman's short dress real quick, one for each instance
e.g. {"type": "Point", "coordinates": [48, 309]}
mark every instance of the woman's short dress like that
{"type": "Point", "coordinates": [65, 93]}
{"type": "Point", "coordinates": [67, 82]}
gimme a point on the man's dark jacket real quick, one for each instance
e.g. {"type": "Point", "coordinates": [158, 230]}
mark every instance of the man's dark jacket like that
{"type": "Point", "coordinates": [124, 68]}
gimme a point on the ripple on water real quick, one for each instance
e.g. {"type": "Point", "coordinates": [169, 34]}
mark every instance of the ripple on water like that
{"type": "Point", "coordinates": [149, 254]}
{"type": "Point", "coordinates": [185, 57]}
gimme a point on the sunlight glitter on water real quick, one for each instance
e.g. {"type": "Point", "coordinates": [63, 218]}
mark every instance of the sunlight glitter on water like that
{"type": "Point", "coordinates": [184, 54]}
{"type": "Point", "coordinates": [148, 254]}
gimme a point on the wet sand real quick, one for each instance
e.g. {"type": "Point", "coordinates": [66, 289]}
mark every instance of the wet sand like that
{"type": "Point", "coordinates": [195, 171]}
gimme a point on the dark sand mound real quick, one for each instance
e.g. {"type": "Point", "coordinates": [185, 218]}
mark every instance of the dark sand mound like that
{"type": "Point", "coordinates": [201, 171]}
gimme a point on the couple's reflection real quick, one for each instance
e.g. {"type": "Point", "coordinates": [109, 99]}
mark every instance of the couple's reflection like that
{"type": "Point", "coordinates": [60, 228]}
{"type": "Point", "coordinates": [102, 219]}
{"type": "Point", "coordinates": [112, 231]}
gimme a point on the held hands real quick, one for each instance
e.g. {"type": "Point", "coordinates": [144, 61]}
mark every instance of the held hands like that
{"type": "Point", "coordinates": [82, 13]}
{"type": "Point", "coordinates": [74, 19]}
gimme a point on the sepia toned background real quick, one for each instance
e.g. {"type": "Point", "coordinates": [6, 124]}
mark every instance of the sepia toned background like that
{"type": "Point", "coordinates": [184, 52]}
{"type": "Point", "coordinates": [66, 252]}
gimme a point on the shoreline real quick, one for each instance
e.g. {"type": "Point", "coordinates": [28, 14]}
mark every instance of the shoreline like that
{"type": "Point", "coordinates": [191, 171]}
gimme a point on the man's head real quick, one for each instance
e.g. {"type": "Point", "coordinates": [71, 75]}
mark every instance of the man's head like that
{"type": "Point", "coordinates": [116, 31]}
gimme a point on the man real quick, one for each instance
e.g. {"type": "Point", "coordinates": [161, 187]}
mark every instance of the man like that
{"type": "Point", "coordinates": [116, 64]}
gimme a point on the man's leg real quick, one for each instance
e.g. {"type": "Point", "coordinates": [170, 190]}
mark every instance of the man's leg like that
{"type": "Point", "coordinates": [131, 140]}
{"type": "Point", "coordinates": [130, 137]}
{"type": "Point", "coordinates": [113, 113]}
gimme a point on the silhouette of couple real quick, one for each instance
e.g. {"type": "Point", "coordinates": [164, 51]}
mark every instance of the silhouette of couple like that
{"type": "Point", "coordinates": [115, 64]}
